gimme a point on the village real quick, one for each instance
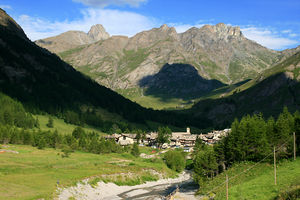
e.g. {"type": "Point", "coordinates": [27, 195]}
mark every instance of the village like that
{"type": "Point", "coordinates": [185, 140]}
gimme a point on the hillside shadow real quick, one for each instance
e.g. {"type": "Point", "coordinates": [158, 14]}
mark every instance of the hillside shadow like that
{"type": "Point", "coordinates": [268, 97]}
{"type": "Point", "coordinates": [178, 81]}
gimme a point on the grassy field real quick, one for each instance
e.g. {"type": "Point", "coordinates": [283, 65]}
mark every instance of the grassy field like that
{"type": "Point", "coordinates": [257, 183]}
{"type": "Point", "coordinates": [148, 101]}
{"type": "Point", "coordinates": [33, 173]}
{"type": "Point", "coordinates": [61, 126]}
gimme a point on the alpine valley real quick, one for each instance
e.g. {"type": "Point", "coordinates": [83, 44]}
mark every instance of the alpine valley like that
{"type": "Point", "coordinates": [202, 114]}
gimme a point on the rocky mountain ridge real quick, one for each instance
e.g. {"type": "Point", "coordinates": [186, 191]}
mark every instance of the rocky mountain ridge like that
{"type": "Point", "coordinates": [217, 52]}
{"type": "Point", "coordinates": [72, 39]}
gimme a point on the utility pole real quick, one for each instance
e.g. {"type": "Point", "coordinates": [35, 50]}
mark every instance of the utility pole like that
{"type": "Point", "coordinates": [275, 166]}
{"type": "Point", "coordinates": [226, 187]}
{"type": "Point", "coordinates": [294, 146]}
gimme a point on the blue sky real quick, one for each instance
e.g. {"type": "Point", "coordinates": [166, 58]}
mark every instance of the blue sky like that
{"type": "Point", "coordinates": [272, 23]}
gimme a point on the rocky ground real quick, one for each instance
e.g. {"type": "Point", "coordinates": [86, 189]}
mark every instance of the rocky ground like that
{"type": "Point", "coordinates": [110, 191]}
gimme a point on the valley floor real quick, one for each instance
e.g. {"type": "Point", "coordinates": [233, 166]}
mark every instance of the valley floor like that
{"type": "Point", "coordinates": [110, 191]}
{"type": "Point", "coordinates": [29, 173]}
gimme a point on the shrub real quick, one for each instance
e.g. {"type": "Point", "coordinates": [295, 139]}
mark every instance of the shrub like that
{"type": "Point", "coordinates": [135, 150]}
{"type": "Point", "coordinates": [66, 152]}
{"type": "Point", "coordinates": [50, 122]}
{"type": "Point", "coordinates": [41, 143]}
{"type": "Point", "coordinates": [175, 160]}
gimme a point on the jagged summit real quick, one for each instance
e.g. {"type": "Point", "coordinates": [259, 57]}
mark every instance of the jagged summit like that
{"type": "Point", "coordinates": [97, 32]}
{"type": "Point", "coordinates": [218, 52]}
{"type": "Point", "coordinates": [164, 27]}
{"type": "Point", "coordinates": [222, 30]}
{"type": "Point", "coordinates": [72, 39]}
{"type": "Point", "coordinates": [9, 23]}
{"type": "Point", "coordinates": [229, 30]}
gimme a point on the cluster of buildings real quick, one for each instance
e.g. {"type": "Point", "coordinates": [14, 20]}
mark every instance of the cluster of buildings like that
{"type": "Point", "coordinates": [184, 140]}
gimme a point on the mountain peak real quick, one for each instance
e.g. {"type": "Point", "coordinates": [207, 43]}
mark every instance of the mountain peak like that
{"type": "Point", "coordinates": [223, 30]}
{"type": "Point", "coordinates": [220, 25]}
{"type": "Point", "coordinates": [164, 27]}
{"type": "Point", "coordinates": [97, 32]}
{"type": "Point", "coordinates": [8, 23]}
{"type": "Point", "coordinates": [171, 31]}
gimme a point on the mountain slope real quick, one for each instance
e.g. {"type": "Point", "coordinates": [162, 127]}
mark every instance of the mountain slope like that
{"type": "Point", "coordinates": [10, 25]}
{"type": "Point", "coordinates": [42, 81]}
{"type": "Point", "coordinates": [256, 181]}
{"type": "Point", "coordinates": [274, 88]}
{"type": "Point", "coordinates": [72, 39]}
{"type": "Point", "coordinates": [217, 52]}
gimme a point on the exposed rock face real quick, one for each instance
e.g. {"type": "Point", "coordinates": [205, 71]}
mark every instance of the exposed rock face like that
{"type": "Point", "coordinates": [97, 32]}
{"type": "Point", "coordinates": [73, 39]}
{"type": "Point", "coordinates": [216, 52]}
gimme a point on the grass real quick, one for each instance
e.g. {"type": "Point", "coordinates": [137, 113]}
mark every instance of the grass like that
{"type": "Point", "coordinates": [132, 59]}
{"type": "Point", "coordinates": [69, 52]}
{"type": "Point", "coordinates": [149, 101]}
{"type": "Point", "coordinates": [91, 72]}
{"type": "Point", "coordinates": [33, 173]}
{"type": "Point", "coordinates": [257, 183]}
{"type": "Point", "coordinates": [278, 68]}
{"type": "Point", "coordinates": [61, 126]}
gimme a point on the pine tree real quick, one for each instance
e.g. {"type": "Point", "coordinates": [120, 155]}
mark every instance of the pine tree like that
{"type": "Point", "coordinates": [78, 132]}
{"type": "Point", "coordinates": [164, 134]}
{"type": "Point", "coordinates": [138, 136]}
{"type": "Point", "coordinates": [205, 165]}
{"type": "Point", "coordinates": [135, 150]}
{"type": "Point", "coordinates": [94, 145]}
{"type": "Point", "coordinates": [50, 122]}
{"type": "Point", "coordinates": [297, 130]}
{"type": "Point", "coordinates": [27, 137]}
{"type": "Point", "coordinates": [270, 131]}
{"type": "Point", "coordinates": [41, 143]}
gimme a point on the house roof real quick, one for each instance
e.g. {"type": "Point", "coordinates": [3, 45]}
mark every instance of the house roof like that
{"type": "Point", "coordinates": [152, 136]}
{"type": "Point", "coordinates": [133, 136]}
{"type": "Point", "coordinates": [183, 136]}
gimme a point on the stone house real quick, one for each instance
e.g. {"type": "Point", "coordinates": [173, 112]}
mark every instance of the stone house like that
{"type": "Point", "coordinates": [181, 139]}
{"type": "Point", "coordinates": [126, 139]}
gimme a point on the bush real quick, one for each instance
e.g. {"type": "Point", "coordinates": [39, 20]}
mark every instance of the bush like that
{"type": "Point", "coordinates": [50, 123]}
{"type": "Point", "coordinates": [135, 150]}
{"type": "Point", "coordinates": [66, 152]}
{"type": "Point", "coordinates": [175, 160]}
{"type": "Point", "coordinates": [41, 143]}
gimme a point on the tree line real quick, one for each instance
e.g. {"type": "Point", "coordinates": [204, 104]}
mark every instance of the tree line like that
{"type": "Point", "coordinates": [251, 139]}
{"type": "Point", "coordinates": [79, 140]}
{"type": "Point", "coordinates": [14, 114]}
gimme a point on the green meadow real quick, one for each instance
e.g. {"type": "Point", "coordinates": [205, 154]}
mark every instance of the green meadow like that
{"type": "Point", "coordinates": [61, 126]}
{"type": "Point", "coordinates": [34, 173]}
{"type": "Point", "coordinates": [257, 183]}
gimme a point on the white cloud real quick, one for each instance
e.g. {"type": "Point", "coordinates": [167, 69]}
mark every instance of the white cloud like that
{"type": "Point", "coordinates": [268, 38]}
{"type": "Point", "coordinates": [104, 3]}
{"type": "Point", "coordinates": [5, 6]}
{"type": "Point", "coordinates": [286, 31]}
{"type": "Point", "coordinates": [114, 21]}
{"type": "Point", "coordinates": [293, 35]}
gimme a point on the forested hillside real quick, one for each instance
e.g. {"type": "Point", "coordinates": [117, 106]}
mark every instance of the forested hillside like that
{"type": "Point", "coordinates": [44, 83]}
